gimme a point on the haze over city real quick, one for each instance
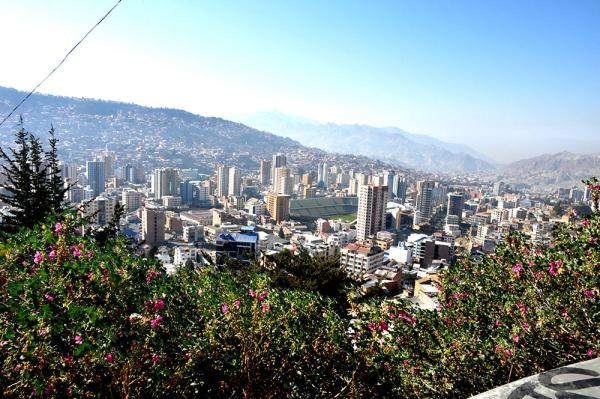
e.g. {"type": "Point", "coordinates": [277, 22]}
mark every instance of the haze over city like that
{"type": "Point", "coordinates": [510, 79]}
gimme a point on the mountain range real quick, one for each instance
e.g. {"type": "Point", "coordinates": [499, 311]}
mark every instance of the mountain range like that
{"type": "Point", "coordinates": [564, 169]}
{"type": "Point", "coordinates": [389, 144]}
{"type": "Point", "coordinates": [154, 137]}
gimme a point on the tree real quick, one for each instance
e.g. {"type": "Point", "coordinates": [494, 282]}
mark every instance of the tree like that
{"type": "Point", "coordinates": [19, 180]}
{"type": "Point", "coordinates": [56, 190]}
{"type": "Point", "coordinates": [33, 183]}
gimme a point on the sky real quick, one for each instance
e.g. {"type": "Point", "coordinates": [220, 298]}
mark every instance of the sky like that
{"type": "Point", "coordinates": [512, 79]}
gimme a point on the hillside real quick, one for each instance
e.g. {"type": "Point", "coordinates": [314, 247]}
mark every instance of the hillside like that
{"type": "Point", "coordinates": [389, 144]}
{"type": "Point", "coordinates": [146, 135]}
{"type": "Point", "coordinates": [563, 169]}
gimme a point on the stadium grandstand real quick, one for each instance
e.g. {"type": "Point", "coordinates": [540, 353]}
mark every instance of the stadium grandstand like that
{"type": "Point", "coordinates": [314, 208]}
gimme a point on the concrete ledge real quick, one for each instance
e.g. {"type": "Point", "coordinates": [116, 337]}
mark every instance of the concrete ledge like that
{"type": "Point", "coordinates": [577, 381]}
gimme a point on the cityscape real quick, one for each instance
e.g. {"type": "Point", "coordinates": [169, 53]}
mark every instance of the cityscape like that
{"type": "Point", "coordinates": [161, 252]}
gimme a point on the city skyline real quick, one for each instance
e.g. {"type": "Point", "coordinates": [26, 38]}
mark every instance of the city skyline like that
{"type": "Point", "coordinates": [466, 77]}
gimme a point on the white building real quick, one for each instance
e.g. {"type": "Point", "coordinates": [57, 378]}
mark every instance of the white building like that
{"type": "Point", "coordinates": [358, 259]}
{"type": "Point", "coordinates": [370, 218]}
{"type": "Point", "coordinates": [183, 254]}
{"type": "Point", "coordinates": [132, 200]}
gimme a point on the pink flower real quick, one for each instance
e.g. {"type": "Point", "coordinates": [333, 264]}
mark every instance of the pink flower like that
{"type": "Point", "coordinates": [90, 254]}
{"type": "Point", "coordinates": [589, 293]}
{"type": "Point", "coordinates": [525, 326]}
{"type": "Point", "coordinates": [155, 358]}
{"type": "Point", "coordinates": [517, 268]}
{"type": "Point", "coordinates": [159, 305]}
{"type": "Point", "coordinates": [585, 222]}
{"type": "Point", "coordinates": [405, 363]}
{"type": "Point", "coordinates": [592, 241]}
{"type": "Point", "coordinates": [553, 268]}
{"type": "Point", "coordinates": [263, 295]}
{"type": "Point", "coordinates": [149, 277]}
{"type": "Point", "coordinates": [224, 308]}
{"type": "Point", "coordinates": [515, 338]}
{"type": "Point", "coordinates": [507, 352]}
{"type": "Point", "coordinates": [78, 340]}
{"type": "Point", "coordinates": [455, 296]}
{"type": "Point", "coordinates": [522, 308]}
{"type": "Point", "coordinates": [252, 293]}
{"type": "Point", "coordinates": [574, 212]}
{"type": "Point", "coordinates": [37, 258]}
{"type": "Point", "coordinates": [383, 326]}
{"type": "Point", "coordinates": [371, 326]}
{"type": "Point", "coordinates": [52, 255]}
{"type": "Point", "coordinates": [497, 323]}
{"type": "Point", "coordinates": [76, 252]}
{"type": "Point", "coordinates": [90, 276]}
{"type": "Point", "coordinates": [265, 307]}
{"type": "Point", "coordinates": [154, 323]}
{"type": "Point", "coordinates": [57, 228]}
{"type": "Point", "coordinates": [497, 349]}
{"type": "Point", "coordinates": [236, 304]}
{"type": "Point", "coordinates": [590, 352]}
{"type": "Point", "coordinates": [109, 357]}
{"type": "Point", "coordinates": [49, 297]}
{"type": "Point", "coordinates": [564, 313]}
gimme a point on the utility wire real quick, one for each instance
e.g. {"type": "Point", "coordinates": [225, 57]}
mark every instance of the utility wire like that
{"type": "Point", "coordinates": [60, 63]}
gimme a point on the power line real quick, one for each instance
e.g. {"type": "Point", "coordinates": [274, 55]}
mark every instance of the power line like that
{"type": "Point", "coordinates": [59, 64]}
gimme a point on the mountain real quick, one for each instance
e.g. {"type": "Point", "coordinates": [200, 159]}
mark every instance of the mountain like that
{"type": "Point", "coordinates": [389, 144]}
{"type": "Point", "coordinates": [563, 169]}
{"type": "Point", "coordinates": [152, 137]}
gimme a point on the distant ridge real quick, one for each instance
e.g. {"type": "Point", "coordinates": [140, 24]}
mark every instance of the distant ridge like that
{"type": "Point", "coordinates": [563, 169]}
{"type": "Point", "coordinates": [153, 137]}
{"type": "Point", "coordinates": [389, 144]}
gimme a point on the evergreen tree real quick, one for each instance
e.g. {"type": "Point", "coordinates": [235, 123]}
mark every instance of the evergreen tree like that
{"type": "Point", "coordinates": [56, 189]}
{"type": "Point", "coordinates": [33, 187]}
{"type": "Point", "coordinates": [17, 171]}
{"type": "Point", "coordinates": [39, 188]}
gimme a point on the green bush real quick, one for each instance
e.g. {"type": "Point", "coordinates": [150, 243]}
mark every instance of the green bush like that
{"type": "Point", "coordinates": [82, 319]}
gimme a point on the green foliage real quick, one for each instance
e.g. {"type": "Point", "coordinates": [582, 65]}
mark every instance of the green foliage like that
{"type": "Point", "coordinates": [33, 184]}
{"type": "Point", "coordinates": [302, 272]}
{"type": "Point", "coordinates": [83, 318]}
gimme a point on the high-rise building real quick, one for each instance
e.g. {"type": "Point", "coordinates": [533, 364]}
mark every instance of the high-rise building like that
{"type": "Point", "coordinates": [131, 199]}
{"type": "Point", "coordinates": [153, 226]}
{"type": "Point", "coordinates": [94, 171]}
{"type": "Point", "coordinates": [109, 164]}
{"type": "Point", "coordinates": [100, 210]}
{"type": "Point", "coordinates": [235, 182]}
{"type": "Point", "coordinates": [265, 172]}
{"type": "Point", "coordinates": [279, 161]}
{"type": "Point", "coordinates": [398, 188]}
{"type": "Point", "coordinates": [278, 205]}
{"type": "Point", "coordinates": [498, 188]}
{"type": "Point", "coordinates": [323, 174]}
{"type": "Point", "coordinates": [456, 202]}
{"type": "Point", "coordinates": [372, 201]}
{"type": "Point", "coordinates": [68, 171]}
{"type": "Point", "coordinates": [166, 182]}
{"type": "Point", "coordinates": [222, 181]}
{"type": "Point", "coordinates": [423, 205]}
{"type": "Point", "coordinates": [285, 182]}
{"type": "Point", "coordinates": [133, 174]}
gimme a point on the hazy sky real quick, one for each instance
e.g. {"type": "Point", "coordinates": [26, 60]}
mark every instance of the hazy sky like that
{"type": "Point", "coordinates": [509, 78]}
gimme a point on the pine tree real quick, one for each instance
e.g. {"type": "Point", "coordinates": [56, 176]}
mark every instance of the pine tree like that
{"type": "Point", "coordinates": [17, 171]}
{"type": "Point", "coordinates": [33, 187]}
{"type": "Point", "coordinates": [39, 176]}
{"type": "Point", "coordinates": [56, 189]}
